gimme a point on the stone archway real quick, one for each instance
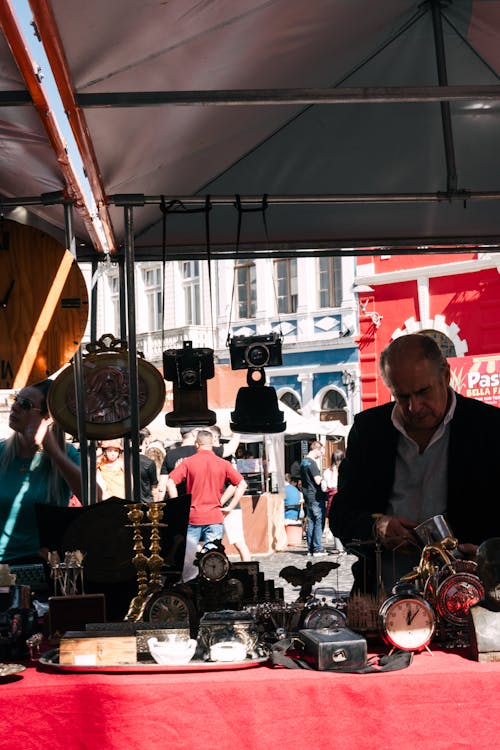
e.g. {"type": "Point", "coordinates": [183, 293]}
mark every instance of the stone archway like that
{"type": "Point", "coordinates": [446, 335]}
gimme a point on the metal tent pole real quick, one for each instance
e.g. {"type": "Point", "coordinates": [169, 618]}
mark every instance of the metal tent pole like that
{"type": "Point", "coordinates": [133, 460]}
{"type": "Point", "coordinates": [78, 375]}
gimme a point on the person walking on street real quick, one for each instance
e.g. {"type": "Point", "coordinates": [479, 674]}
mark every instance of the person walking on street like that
{"type": "Point", "coordinates": [329, 485]}
{"type": "Point", "coordinates": [315, 498]}
{"type": "Point", "coordinates": [205, 475]}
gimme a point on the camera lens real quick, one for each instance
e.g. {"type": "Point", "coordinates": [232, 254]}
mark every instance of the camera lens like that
{"type": "Point", "coordinates": [189, 377]}
{"type": "Point", "coordinates": [257, 355]}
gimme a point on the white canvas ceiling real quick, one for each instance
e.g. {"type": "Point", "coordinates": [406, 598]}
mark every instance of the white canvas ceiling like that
{"type": "Point", "coordinates": [352, 128]}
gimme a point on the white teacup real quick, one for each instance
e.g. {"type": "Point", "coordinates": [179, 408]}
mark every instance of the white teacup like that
{"type": "Point", "coordinates": [228, 651]}
{"type": "Point", "coordinates": [172, 651]}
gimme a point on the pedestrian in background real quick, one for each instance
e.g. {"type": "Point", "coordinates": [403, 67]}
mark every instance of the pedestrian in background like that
{"type": "Point", "coordinates": [110, 473]}
{"type": "Point", "coordinates": [315, 498]}
{"type": "Point", "coordinates": [204, 476]}
{"type": "Point", "coordinates": [329, 485]}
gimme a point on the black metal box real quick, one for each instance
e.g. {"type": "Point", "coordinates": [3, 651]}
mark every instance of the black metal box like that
{"type": "Point", "coordinates": [74, 612]}
{"type": "Point", "coordinates": [331, 649]}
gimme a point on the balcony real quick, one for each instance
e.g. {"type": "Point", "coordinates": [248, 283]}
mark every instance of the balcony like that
{"type": "Point", "coordinates": [151, 345]}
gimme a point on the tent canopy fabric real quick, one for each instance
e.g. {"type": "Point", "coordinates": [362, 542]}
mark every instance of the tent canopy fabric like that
{"type": "Point", "coordinates": [297, 426]}
{"type": "Point", "coordinates": [358, 124]}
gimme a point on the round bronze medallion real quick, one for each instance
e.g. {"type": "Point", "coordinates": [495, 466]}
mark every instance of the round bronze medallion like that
{"type": "Point", "coordinates": [107, 401]}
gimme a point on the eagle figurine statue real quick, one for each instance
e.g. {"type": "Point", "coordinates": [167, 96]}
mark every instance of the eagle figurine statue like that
{"type": "Point", "coordinates": [307, 577]}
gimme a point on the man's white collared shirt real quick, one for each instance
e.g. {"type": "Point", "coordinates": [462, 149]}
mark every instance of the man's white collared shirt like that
{"type": "Point", "coordinates": [421, 479]}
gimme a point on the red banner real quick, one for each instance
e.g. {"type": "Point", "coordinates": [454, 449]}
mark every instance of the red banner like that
{"type": "Point", "coordinates": [477, 377]}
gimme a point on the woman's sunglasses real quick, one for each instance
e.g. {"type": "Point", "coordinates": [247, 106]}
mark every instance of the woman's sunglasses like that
{"type": "Point", "coordinates": [26, 404]}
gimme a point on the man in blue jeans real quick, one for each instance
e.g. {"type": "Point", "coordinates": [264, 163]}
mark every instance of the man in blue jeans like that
{"type": "Point", "coordinates": [206, 475]}
{"type": "Point", "coordinates": [315, 499]}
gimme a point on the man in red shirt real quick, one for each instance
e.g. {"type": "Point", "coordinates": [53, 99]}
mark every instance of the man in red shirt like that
{"type": "Point", "coordinates": [206, 475]}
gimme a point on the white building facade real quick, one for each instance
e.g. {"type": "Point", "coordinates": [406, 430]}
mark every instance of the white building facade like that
{"type": "Point", "coordinates": [308, 300]}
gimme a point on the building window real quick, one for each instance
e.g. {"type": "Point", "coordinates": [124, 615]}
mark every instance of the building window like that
{"type": "Point", "coordinates": [286, 285]}
{"type": "Point", "coordinates": [190, 270]}
{"type": "Point", "coordinates": [329, 281]}
{"type": "Point", "coordinates": [333, 406]}
{"type": "Point", "coordinates": [290, 399]}
{"type": "Point", "coordinates": [153, 291]}
{"type": "Point", "coordinates": [445, 344]}
{"type": "Point", "coordinates": [246, 290]}
{"type": "Point", "coordinates": [114, 294]}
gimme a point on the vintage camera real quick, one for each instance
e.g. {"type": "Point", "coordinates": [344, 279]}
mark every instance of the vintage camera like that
{"type": "Point", "coordinates": [255, 351]}
{"type": "Point", "coordinates": [188, 368]}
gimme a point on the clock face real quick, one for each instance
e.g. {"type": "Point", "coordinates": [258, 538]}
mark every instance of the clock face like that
{"type": "Point", "coordinates": [407, 623]}
{"type": "Point", "coordinates": [168, 606]}
{"type": "Point", "coordinates": [324, 616]}
{"type": "Point", "coordinates": [456, 595]}
{"type": "Point", "coordinates": [43, 305]}
{"type": "Point", "coordinates": [214, 566]}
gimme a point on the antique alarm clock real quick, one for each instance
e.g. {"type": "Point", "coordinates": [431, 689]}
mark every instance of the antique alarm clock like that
{"type": "Point", "coordinates": [453, 590]}
{"type": "Point", "coordinates": [213, 562]}
{"type": "Point", "coordinates": [318, 613]}
{"type": "Point", "coordinates": [406, 620]}
{"type": "Point", "coordinates": [456, 594]}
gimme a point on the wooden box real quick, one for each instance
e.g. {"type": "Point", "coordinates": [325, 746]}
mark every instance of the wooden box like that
{"type": "Point", "coordinates": [97, 649]}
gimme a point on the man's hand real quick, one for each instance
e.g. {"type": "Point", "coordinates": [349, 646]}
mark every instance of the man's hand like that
{"type": "Point", "coordinates": [468, 550]}
{"type": "Point", "coordinates": [395, 532]}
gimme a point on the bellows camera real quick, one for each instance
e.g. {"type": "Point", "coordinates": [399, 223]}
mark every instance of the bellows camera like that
{"type": "Point", "coordinates": [188, 367]}
{"type": "Point", "coordinates": [255, 351]}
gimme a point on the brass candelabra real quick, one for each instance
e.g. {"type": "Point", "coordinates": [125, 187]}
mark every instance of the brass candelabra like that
{"type": "Point", "coordinates": [148, 567]}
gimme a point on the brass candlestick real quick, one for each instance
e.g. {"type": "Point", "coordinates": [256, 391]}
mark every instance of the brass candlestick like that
{"type": "Point", "coordinates": [147, 583]}
{"type": "Point", "coordinates": [155, 560]}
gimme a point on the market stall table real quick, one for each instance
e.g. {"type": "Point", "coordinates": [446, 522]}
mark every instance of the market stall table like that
{"type": "Point", "coordinates": [263, 524]}
{"type": "Point", "coordinates": [442, 701]}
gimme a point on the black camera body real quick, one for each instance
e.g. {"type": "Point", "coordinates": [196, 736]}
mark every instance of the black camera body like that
{"type": "Point", "coordinates": [255, 351]}
{"type": "Point", "coordinates": [188, 368]}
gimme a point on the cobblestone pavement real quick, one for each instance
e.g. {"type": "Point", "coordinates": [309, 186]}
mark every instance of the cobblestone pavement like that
{"type": "Point", "coordinates": [339, 579]}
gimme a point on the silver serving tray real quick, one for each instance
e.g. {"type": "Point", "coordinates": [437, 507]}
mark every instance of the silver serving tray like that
{"type": "Point", "coordinates": [7, 670]}
{"type": "Point", "coordinates": [51, 660]}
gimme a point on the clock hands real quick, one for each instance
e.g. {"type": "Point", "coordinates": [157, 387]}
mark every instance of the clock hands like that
{"type": "Point", "coordinates": [3, 302]}
{"type": "Point", "coordinates": [410, 616]}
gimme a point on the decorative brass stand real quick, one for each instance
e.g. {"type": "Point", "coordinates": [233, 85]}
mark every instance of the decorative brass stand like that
{"type": "Point", "coordinates": [146, 584]}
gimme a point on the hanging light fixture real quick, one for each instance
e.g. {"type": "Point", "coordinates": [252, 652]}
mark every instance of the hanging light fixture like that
{"type": "Point", "coordinates": [348, 380]}
{"type": "Point", "coordinates": [364, 292]}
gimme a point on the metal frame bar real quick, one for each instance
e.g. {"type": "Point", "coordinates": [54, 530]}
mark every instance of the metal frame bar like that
{"type": "Point", "coordinates": [132, 459]}
{"type": "Point", "coordinates": [292, 96]}
{"type": "Point", "coordinates": [78, 379]}
{"type": "Point", "coordinates": [138, 199]}
{"type": "Point", "coordinates": [449, 147]}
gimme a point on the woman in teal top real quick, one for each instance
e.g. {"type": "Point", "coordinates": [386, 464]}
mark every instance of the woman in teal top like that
{"type": "Point", "coordinates": [36, 466]}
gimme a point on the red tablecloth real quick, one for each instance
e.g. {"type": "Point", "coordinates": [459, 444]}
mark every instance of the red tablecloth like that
{"type": "Point", "coordinates": [441, 701]}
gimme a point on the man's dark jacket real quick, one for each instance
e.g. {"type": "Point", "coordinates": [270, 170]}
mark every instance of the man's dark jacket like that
{"type": "Point", "coordinates": [366, 475]}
